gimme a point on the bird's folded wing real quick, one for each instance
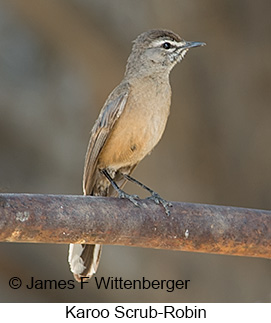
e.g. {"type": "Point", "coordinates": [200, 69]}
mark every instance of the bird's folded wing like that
{"type": "Point", "coordinates": [108, 116]}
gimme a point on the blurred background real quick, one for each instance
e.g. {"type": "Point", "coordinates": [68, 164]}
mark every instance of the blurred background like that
{"type": "Point", "coordinates": [58, 62]}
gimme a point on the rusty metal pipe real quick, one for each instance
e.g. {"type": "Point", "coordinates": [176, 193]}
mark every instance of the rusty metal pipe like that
{"type": "Point", "coordinates": [80, 219]}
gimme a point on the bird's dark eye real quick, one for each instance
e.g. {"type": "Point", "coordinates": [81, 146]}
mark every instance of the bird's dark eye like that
{"type": "Point", "coordinates": [166, 45]}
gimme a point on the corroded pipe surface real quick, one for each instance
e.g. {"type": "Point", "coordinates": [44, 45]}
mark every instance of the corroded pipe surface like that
{"type": "Point", "coordinates": [113, 221]}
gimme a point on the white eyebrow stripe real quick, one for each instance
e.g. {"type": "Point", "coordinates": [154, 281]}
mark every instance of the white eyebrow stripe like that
{"type": "Point", "coordinates": [160, 42]}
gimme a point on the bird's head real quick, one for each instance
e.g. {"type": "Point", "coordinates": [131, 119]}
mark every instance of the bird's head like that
{"type": "Point", "coordinates": [158, 51]}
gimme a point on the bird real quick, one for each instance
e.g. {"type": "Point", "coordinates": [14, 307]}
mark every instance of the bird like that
{"type": "Point", "coordinates": [129, 126]}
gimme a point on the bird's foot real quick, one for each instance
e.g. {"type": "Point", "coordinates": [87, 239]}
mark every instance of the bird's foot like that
{"type": "Point", "coordinates": [159, 200]}
{"type": "Point", "coordinates": [132, 198]}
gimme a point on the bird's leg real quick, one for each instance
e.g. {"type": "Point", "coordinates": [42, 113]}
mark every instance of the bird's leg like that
{"type": "Point", "coordinates": [154, 196]}
{"type": "Point", "coordinates": [121, 193]}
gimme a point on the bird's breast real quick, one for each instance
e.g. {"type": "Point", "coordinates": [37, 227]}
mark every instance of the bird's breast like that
{"type": "Point", "coordinates": [140, 126]}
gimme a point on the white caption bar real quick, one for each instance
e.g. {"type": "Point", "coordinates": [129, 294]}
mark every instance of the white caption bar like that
{"type": "Point", "coordinates": [122, 312]}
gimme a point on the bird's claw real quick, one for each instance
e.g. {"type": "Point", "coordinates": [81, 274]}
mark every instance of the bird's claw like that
{"type": "Point", "coordinates": [159, 200]}
{"type": "Point", "coordinates": [131, 198]}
